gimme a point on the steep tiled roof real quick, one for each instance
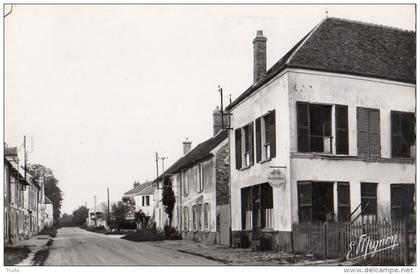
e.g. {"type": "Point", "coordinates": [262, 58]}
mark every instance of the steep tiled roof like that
{"type": "Point", "coordinates": [350, 47]}
{"type": "Point", "coordinates": [139, 188]}
{"type": "Point", "coordinates": [200, 152]}
{"type": "Point", "coordinates": [147, 191]}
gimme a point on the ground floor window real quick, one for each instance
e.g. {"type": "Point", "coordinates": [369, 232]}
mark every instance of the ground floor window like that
{"type": "Point", "coordinates": [194, 213]}
{"type": "Point", "coordinates": [206, 216]}
{"type": "Point", "coordinates": [257, 207]}
{"type": "Point", "coordinates": [186, 218]}
{"type": "Point", "coordinates": [343, 200]}
{"type": "Point", "coordinates": [402, 201]}
{"type": "Point", "coordinates": [369, 201]}
{"type": "Point", "coordinates": [316, 201]}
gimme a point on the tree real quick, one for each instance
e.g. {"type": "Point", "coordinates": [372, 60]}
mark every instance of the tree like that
{"type": "Point", "coordinates": [80, 215]}
{"type": "Point", "coordinates": [52, 190]}
{"type": "Point", "coordinates": [168, 198]}
{"type": "Point", "coordinates": [66, 220]}
{"type": "Point", "coordinates": [141, 218]}
{"type": "Point", "coordinates": [120, 212]}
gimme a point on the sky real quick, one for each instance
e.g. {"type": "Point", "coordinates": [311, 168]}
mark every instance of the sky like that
{"type": "Point", "coordinates": [101, 88]}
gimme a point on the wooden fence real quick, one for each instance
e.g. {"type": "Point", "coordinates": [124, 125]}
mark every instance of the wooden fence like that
{"type": "Point", "coordinates": [357, 241]}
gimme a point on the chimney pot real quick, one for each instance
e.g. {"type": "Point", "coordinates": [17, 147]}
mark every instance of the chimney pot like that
{"type": "Point", "coordinates": [217, 120]}
{"type": "Point", "coordinates": [260, 56]}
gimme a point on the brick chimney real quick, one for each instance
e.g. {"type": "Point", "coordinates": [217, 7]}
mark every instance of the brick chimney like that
{"type": "Point", "coordinates": [136, 184]}
{"type": "Point", "coordinates": [217, 121]}
{"type": "Point", "coordinates": [260, 56]}
{"type": "Point", "coordinates": [186, 145]}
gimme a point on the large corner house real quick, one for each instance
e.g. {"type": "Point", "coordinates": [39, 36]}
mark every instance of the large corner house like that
{"type": "Point", "coordinates": [326, 134]}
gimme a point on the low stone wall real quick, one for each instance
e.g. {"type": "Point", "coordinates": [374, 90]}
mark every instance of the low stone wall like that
{"type": "Point", "coordinates": [263, 240]}
{"type": "Point", "coordinates": [200, 236]}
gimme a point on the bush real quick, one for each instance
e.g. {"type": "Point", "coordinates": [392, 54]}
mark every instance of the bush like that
{"type": "Point", "coordinates": [171, 233]}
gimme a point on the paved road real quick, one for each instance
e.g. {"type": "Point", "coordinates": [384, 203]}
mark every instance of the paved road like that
{"type": "Point", "coordinates": [78, 247]}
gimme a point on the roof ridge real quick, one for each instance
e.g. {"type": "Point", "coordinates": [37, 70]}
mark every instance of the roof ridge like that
{"type": "Point", "coordinates": [370, 24]}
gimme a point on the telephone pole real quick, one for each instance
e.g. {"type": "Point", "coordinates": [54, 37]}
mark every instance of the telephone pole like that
{"type": "Point", "coordinates": [108, 203]}
{"type": "Point", "coordinates": [94, 197]}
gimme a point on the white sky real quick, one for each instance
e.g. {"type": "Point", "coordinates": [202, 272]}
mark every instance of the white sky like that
{"type": "Point", "coordinates": [103, 87]}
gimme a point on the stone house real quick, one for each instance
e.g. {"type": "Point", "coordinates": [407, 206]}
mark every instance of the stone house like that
{"type": "Point", "coordinates": [326, 134]}
{"type": "Point", "coordinates": [200, 181]}
{"type": "Point", "coordinates": [144, 200]}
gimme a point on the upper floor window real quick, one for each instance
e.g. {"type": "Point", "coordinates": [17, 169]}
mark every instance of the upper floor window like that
{"type": "Point", "coordinates": [244, 146]}
{"type": "Point", "coordinates": [200, 178]}
{"type": "Point", "coordinates": [314, 127]}
{"type": "Point", "coordinates": [368, 132]}
{"type": "Point", "coordinates": [403, 136]}
{"type": "Point", "coordinates": [266, 136]}
{"type": "Point", "coordinates": [185, 182]}
{"type": "Point", "coordinates": [142, 200]}
{"type": "Point", "coordinates": [147, 200]}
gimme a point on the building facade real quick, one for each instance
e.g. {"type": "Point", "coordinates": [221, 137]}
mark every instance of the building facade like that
{"type": "Point", "coordinates": [327, 134]}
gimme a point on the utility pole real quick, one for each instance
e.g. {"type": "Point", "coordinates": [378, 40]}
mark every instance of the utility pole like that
{"type": "Point", "coordinates": [108, 203]}
{"type": "Point", "coordinates": [94, 197]}
{"type": "Point", "coordinates": [221, 104]}
{"type": "Point", "coordinates": [24, 156]}
{"type": "Point", "coordinates": [157, 168]}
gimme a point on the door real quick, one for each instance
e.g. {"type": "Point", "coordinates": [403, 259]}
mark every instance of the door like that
{"type": "Point", "coordinates": [223, 224]}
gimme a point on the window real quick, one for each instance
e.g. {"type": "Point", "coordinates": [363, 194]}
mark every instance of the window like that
{"type": "Point", "coordinates": [257, 207]}
{"type": "Point", "coordinates": [402, 201]}
{"type": "Point", "coordinates": [314, 128]}
{"type": "Point", "coordinates": [248, 145]}
{"type": "Point", "coordinates": [341, 130]}
{"type": "Point", "coordinates": [185, 182]}
{"type": "Point", "coordinates": [369, 201]}
{"type": "Point", "coordinates": [194, 212]}
{"type": "Point", "coordinates": [315, 201]}
{"type": "Point", "coordinates": [186, 219]}
{"type": "Point", "coordinates": [206, 217]}
{"type": "Point", "coordinates": [148, 200]}
{"type": "Point", "coordinates": [200, 178]}
{"type": "Point", "coordinates": [343, 199]}
{"type": "Point", "coordinates": [403, 128]}
{"type": "Point", "coordinates": [368, 132]}
{"type": "Point", "coordinates": [266, 136]}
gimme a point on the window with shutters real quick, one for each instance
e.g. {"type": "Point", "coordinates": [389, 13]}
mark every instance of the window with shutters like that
{"type": "Point", "coordinates": [403, 128]}
{"type": "Point", "coordinates": [368, 132]}
{"type": "Point", "coordinates": [185, 183]}
{"type": "Point", "coordinates": [402, 201]}
{"type": "Point", "coordinates": [266, 136]}
{"type": "Point", "coordinates": [257, 207]}
{"type": "Point", "coordinates": [186, 219]}
{"type": "Point", "coordinates": [343, 200]}
{"type": "Point", "coordinates": [142, 200]}
{"type": "Point", "coordinates": [315, 201]}
{"type": "Point", "coordinates": [147, 200]}
{"type": "Point", "coordinates": [314, 127]}
{"type": "Point", "coordinates": [248, 145]}
{"type": "Point", "coordinates": [369, 201]}
{"type": "Point", "coordinates": [194, 213]}
{"type": "Point", "coordinates": [199, 217]}
{"type": "Point", "coordinates": [207, 217]}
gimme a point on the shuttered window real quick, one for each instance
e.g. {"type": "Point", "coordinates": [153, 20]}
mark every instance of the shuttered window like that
{"type": "Point", "coordinates": [257, 206]}
{"type": "Point", "coordinates": [368, 132]}
{"type": "Point", "coordinates": [246, 207]}
{"type": "Point", "coordinates": [248, 145]}
{"type": "Point", "coordinates": [238, 148]}
{"type": "Point", "coordinates": [265, 130]}
{"type": "Point", "coordinates": [402, 201]}
{"type": "Point", "coordinates": [341, 130]}
{"type": "Point", "coordinates": [303, 126]}
{"type": "Point", "coordinates": [305, 201]}
{"type": "Point", "coordinates": [343, 199]}
{"type": "Point", "coordinates": [403, 128]}
{"type": "Point", "coordinates": [272, 133]}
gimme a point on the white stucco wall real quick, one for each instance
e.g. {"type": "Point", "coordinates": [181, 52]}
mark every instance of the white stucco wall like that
{"type": "Point", "coordinates": [274, 95]}
{"type": "Point", "coordinates": [148, 210]}
{"type": "Point", "coordinates": [328, 88]}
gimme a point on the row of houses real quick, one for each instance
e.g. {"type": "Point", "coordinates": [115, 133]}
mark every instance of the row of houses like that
{"type": "Point", "coordinates": [327, 134]}
{"type": "Point", "coordinates": [27, 210]}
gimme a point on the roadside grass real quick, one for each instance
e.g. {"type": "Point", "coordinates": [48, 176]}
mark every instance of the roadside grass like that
{"type": "Point", "coordinates": [14, 255]}
{"type": "Point", "coordinates": [152, 234]}
{"type": "Point", "coordinates": [41, 255]}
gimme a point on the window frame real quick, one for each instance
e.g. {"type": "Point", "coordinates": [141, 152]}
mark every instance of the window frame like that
{"type": "Point", "coordinates": [200, 178]}
{"type": "Point", "coordinates": [400, 135]}
{"type": "Point", "coordinates": [364, 197]}
{"type": "Point", "coordinates": [247, 139]}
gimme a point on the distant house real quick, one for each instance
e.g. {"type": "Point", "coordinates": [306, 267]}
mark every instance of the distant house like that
{"type": "Point", "coordinates": [97, 215]}
{"type": "Point", "coordinates": [48, 218]}
{"type": "Point", "coordinates": [129, 197]}
{"type": "Point", "coordinates": [326, 134]}
{"type": "Point", "coordinates": [145, 200]}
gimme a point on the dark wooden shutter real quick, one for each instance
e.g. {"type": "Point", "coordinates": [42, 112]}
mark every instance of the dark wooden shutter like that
{"type": "Point", "coordinates": [362, 132]}
{"type": "Point", "coordinates": [374, 133]}
{"type": "Point", "coordinates": [272, 134]}
{"type": "Point", "coordinates": [258, 138]}
{"type": "Point", "coordinates": [395, 134]}
{"type": "Point", "coordinates": [251, 143]}
{"type": "Point", "coordinates": [305, 201]}
{"type": "Point", "coordinates": [303, 126]}
{"type": "Point", "coordinates": [343, 199]}
{"type": "Point", "coordinates": [396, 202]}
{"type": "Point", "coordinates": [238, 148]}
{"type": "Point", "coordinates": [341, 130]}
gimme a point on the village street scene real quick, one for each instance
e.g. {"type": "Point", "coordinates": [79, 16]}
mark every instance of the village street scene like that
{"type": "Point", "coordinates": [148, 135]}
